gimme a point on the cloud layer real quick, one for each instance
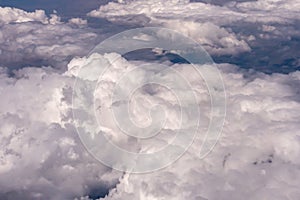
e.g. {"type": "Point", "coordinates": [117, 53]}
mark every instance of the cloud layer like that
{"type": "Point", "coordinates": [257, 155]}
{"type": "Point", "coordinates": [240, 32]}
{"type": "Point", "coordinates": [9, 15]}
{"type": "Point", "coordinates": [41, 154]}
{"type": "Point", "coordinates": [42, 157]}
{"type": "Point", "coordinates": [179, 15]}
{"type": "Point", "coordinates": [33, 39]}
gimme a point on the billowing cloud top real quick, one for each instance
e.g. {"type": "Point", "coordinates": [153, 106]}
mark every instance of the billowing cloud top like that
{"type": "Point", "coordinates": [253, 11]}
{"type": "Point", "coordinates": [257, 153]}
{"type": "Point", "coordinates": [257, 156]}
{"type": "Point", "coordinates": [9, 15]}
{"type": "Point", "coordinates": [14, 15]}
{"type": "Point", "coordinates": [33, 39]}
{"type": "Point", "coordinates": [247, 29]}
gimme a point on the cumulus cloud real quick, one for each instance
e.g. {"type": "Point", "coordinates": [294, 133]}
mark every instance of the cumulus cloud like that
{"type": "Point", "coordinates": [38, 44]}
{"type": "Point", "coordinates": [181, 16]}
{"type": "Point", "coordinates": [215, 39]}
{"type": "Point", "coordinates": [9, 15]}
{"type": "Point", "coordinates": [15, 15]}
{"type": "Point", "coordinates": [33, 39]}
{"type": "Point", "coordinates": [41, 154]}
{"type": "Point", "coordinates": [257, 155]}
{"type": "Point", "coordinates": [78, 21]}
{"type": "Point", "coordinates": [279, 11]}
{"type": "Point", "coordinates": [236, 28]}
{"type": "Point", "coordinates": [42, 157]}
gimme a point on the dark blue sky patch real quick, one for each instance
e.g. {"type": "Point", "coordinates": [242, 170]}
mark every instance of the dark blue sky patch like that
{"type": "Point", "coordinates": [66, 9]}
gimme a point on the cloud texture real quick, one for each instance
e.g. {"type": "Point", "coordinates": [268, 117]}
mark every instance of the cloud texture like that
{"type": "Point", "coordinates": [257, 157]}
{"type": "Point", "coordinates": [239, 32]}
{"type": "Point", "coordinates": [33, 39]}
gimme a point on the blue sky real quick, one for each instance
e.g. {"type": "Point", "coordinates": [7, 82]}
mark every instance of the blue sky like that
{"type": "Point", "coordinates": [65, 8]}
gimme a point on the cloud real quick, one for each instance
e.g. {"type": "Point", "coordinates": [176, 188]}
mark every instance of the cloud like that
{"type": "Point", "coordinates": [42, 157]}
{"type": "Point", "coordinates": [78, 21]}
{"type": "Point", "coordinates": [41, 154]}
{"type": "Point", "coordinates": [182, 16]}
{"type": "Point", "coordinates": [270, 11]}
{"type": "Point", "coordinates": [251, 11]}
{"type": "Point", "coordinates": [235, 33]}
{"type": "Point", "coordinates": [256, 156]}
{"type": "Point", "coordinates": [15, 15]}
{"type": "Point", "coordinates": [215, 39]}
{"type": "Point", "coordinates": [9, 15]}
{"type": "Point", "coordinates": [75, 8]}
{"type": "Point", "coordinates": [33, 39]}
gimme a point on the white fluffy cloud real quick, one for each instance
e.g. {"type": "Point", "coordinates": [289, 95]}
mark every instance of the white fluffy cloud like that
{"type": "Point", "coordinates": [179, 15]}
{"type": "Point", "coordinates": [252, 11]}
{"type": "Point", "coordinates": [9, 15]}
{"type": "Point", "coordinates": [38, 44]}
{"type": "Point", "coordinates": [42, 157]}
{"type": "Point", "coordinates": [214, 39]}
{"type": "Point", "coordinates": [15, 15]}
{"type": "Point", "coordinates": [270, 11]}
{"type": "Point", "coordinates": [78, 21]}
{"type": "Point", "coordinates": [192, 18]}
{"type": "Point", "coordinates": [41, 154]}
{"type": "Point", "coordinates": [256, 157]}
{"type": "Point", "coordinates": [33, 39]}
